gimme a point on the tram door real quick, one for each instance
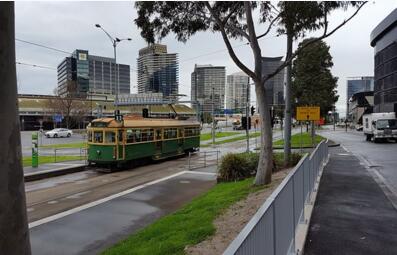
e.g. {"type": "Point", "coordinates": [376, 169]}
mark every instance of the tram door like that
{"type": "Point", "coordinates": [120, 145]}
{"type": "Point", "coordinates": [159, 142]}
{"type": "Point", "coordinates": [180, 140]}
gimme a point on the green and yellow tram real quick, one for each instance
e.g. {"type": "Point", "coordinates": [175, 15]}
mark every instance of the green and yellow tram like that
{"type": "Point", "coordinates": [116, 143]}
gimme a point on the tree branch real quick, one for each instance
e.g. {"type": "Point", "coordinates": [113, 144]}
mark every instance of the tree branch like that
{"type": "Point", "coordinates": [253, 40]}
{"type": "Point", "coordinates": [229, 47]}
{"type": "Point", "coordinates": [270, 27]}
{"type": "Point", "coordinates": [325, 35]}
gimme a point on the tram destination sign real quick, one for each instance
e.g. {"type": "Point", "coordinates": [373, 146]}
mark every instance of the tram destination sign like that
{"type": "Point", "coordinates": [308, 113]}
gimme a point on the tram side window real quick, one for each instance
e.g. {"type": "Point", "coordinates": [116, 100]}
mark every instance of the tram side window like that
{"type": "Point", "coordinates": [130, 136]}
{"type": "Point", "coordinates": [170, 133]}
{"type": "Point", "coordinates": [110, 137]}
{"type": "Point", "coordinates": [138, 135]}
{"type": "Point", "coordinates": [89, 135]}
{"type": "Point", "coordinates": [158, 134]}
{"type": "Point", "coordinates": [150, 134]}
{"type": "Point", "coordinates": [98, 136]}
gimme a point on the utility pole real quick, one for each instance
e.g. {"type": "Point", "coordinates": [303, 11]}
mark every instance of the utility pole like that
{"type": "Point", "coordinates": [247, 107]}
{"type": "Point", "coordinates": [334, 116]}
{"type": "Point", "coordinates": [14, 231]}
{"type": "Point", "coordinates": [114, 41]}
{"type": "Point", "coordinates": [213, 118]}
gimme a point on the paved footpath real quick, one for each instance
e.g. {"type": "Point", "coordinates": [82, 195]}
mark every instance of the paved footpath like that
{"type": "Point", "coordinates": [351, 215]}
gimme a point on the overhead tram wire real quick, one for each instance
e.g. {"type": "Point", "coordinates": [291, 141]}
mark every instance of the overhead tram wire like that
{"type": "Point", "coordinates": [34, 65]}
{"type": "Point", "coordinates": [43, 46]}
{"type": "Point", "coordinates": [131, 69]}
{"type": "Point", "coordinates": [222, 50]}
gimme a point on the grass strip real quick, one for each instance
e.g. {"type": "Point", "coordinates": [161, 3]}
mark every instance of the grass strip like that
{"type": "Point", "coordinates": [234, 139]}
{"type": "Point", "coordinates": [27, 161]}
{"type": "Point", "coordinates": [208, 136]}
{"type": "Point", "coordinates": [65, 145]}
{"type": "Point", "coordinates": [296, 140]}
{"type": "Point", "coordinates": [190, 225]}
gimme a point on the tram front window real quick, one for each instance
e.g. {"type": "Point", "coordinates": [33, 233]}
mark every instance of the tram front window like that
{"type": "Point", "coordinates": [110, 137]}
{"type": "Point", "coordinates": [98, 136]}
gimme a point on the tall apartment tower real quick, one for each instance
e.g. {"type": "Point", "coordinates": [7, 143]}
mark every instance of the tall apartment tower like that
{"type": "Point", "coordinates": [274, 86]}
{"type": "Point", "coordinates": [358, 84]}
{"type": "Point", "coordinates": [208, 81]}
{"type": "Point", "coordinates": [82, 74]}
{"type": "Point", "coordinates": [237, 91]}
{"type": "Point", "coordinates": [158, 70]}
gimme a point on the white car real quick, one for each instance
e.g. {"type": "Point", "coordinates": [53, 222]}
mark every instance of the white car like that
{"type": "Point", "coordinates": [59, 132]}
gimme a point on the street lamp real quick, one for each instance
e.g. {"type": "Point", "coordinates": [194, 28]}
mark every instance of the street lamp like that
{"type": "Point", "coordinates": [114, 41]}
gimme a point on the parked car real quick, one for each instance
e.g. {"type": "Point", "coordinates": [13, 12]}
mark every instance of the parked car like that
{"type": "Point", "coordinates": [59, 132]}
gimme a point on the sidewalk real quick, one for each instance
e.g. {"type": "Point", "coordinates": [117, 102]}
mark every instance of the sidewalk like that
{"type": "Point", "coordinates": [352, 215]}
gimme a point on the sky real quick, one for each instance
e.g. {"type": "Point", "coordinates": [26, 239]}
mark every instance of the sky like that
{"type": "Point", "coordinates": [71, 25]}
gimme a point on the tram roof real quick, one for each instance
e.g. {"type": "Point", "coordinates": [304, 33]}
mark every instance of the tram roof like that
{"type": "Point", "coordinates": [134, 121]}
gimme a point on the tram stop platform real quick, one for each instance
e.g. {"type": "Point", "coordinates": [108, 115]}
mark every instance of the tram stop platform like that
{"type": "Point", "coordinates": [53, 169]}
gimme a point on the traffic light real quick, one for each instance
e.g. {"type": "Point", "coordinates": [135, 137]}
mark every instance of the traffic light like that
{"type": "Point", "coordinates": [252, 110]}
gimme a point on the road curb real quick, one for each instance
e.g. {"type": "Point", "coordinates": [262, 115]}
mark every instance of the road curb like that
{"type": "Point", "coordinates": [53, 173]}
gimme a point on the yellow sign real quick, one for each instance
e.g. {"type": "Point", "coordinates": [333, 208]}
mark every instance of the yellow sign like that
{"type": "Point", "coordinates": [308, 113]}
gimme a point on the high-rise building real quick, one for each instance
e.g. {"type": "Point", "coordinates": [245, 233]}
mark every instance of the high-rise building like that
{"type": "Point", "coordinates": [358, 84]}
{"type": "Point", "coordinates": [237, 91]}
{"type": "Point", "coordinates": [158, 70]}
{"type": "Point", "coordinates": [82, 74]}
{"type": "Point", "coordinates": [208, 86]}
{"type": "Point", "coordinates": [384, 41]}
{"type": "Point", "coordinates": [275, 85]}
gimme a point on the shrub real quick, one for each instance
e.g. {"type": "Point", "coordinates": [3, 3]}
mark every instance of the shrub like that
{"type": "Point", "coordinates": [235, 167]}
{"type": "Point", "coordinates": [238, 166]}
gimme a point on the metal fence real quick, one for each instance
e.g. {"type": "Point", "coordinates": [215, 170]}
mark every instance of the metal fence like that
{"type": "Point", "coordinates": [203, 159]}
{"type": "Point", "coordinates": [273, 228]}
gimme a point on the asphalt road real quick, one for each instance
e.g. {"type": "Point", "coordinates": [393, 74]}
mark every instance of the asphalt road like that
{"type": "Point", "coordinates": [91, 230]}
{"type": "Point", "coordinates": [381, 158]}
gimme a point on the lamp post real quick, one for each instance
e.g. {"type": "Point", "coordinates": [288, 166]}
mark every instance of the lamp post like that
{"type": "Point", "coordinates": [114, 41]}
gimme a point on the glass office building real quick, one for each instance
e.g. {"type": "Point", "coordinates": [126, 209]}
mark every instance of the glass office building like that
{"type": "Point", "coordinates": [208, 87]}
{"type": "Point", "coordinates": [82, 74]}
{"type": "Point", "coordinates": [158, 70]}
{"type": "Point", "coordinates": [357, 84]}
{"type": "Point", "coordinates": [384, 41]}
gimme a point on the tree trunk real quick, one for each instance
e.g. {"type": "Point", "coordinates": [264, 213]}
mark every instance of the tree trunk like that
{"type": "Point", "coordinates": [13, 220]}
{"type": "Point", "coordinates": [265, 164]}
{"type": "Point", "coordinates": [287, 110]}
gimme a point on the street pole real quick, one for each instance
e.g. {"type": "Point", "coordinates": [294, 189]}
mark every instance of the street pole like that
{"type": "Point", "coordinates": [334, 117]}
{"type": "Point", "coordinates": [213, 119]}
{"type": "Point", "coordinates": [247, 115]}
{"type": "Point", "coordinates": [116, 83]}
{"type": "Point", "coordinates": [13, 219]}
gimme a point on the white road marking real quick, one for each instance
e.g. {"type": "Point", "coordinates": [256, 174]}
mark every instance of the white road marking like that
{"type": "Point", "coordinates": [106, 199]}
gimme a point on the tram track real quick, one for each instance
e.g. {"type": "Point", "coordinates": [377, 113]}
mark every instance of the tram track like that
{"type": "Point", "coordinates": [45, 202]}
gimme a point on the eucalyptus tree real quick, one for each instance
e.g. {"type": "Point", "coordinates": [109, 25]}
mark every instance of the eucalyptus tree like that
{"type": "Point", "coordinates": [296, 19]}
{"type": "Point", "coordinates": [233, 20]}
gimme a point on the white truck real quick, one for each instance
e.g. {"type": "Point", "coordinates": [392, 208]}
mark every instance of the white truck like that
{"type": "Point", "coordinates": [380, 126]}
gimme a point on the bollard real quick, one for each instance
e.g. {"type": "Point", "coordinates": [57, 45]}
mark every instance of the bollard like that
{"type": "Point", "coordinates": [189, 160]}
{"type": "Point", "coordinates": [35, 150]}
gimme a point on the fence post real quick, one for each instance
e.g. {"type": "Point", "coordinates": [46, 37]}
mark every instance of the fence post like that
{"type": "Point", "coordinates": [217, 161]}
{"type": "Point", "coordinates": [205, 159]}
{"type": "Point", "coordinates": [55, 155]}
